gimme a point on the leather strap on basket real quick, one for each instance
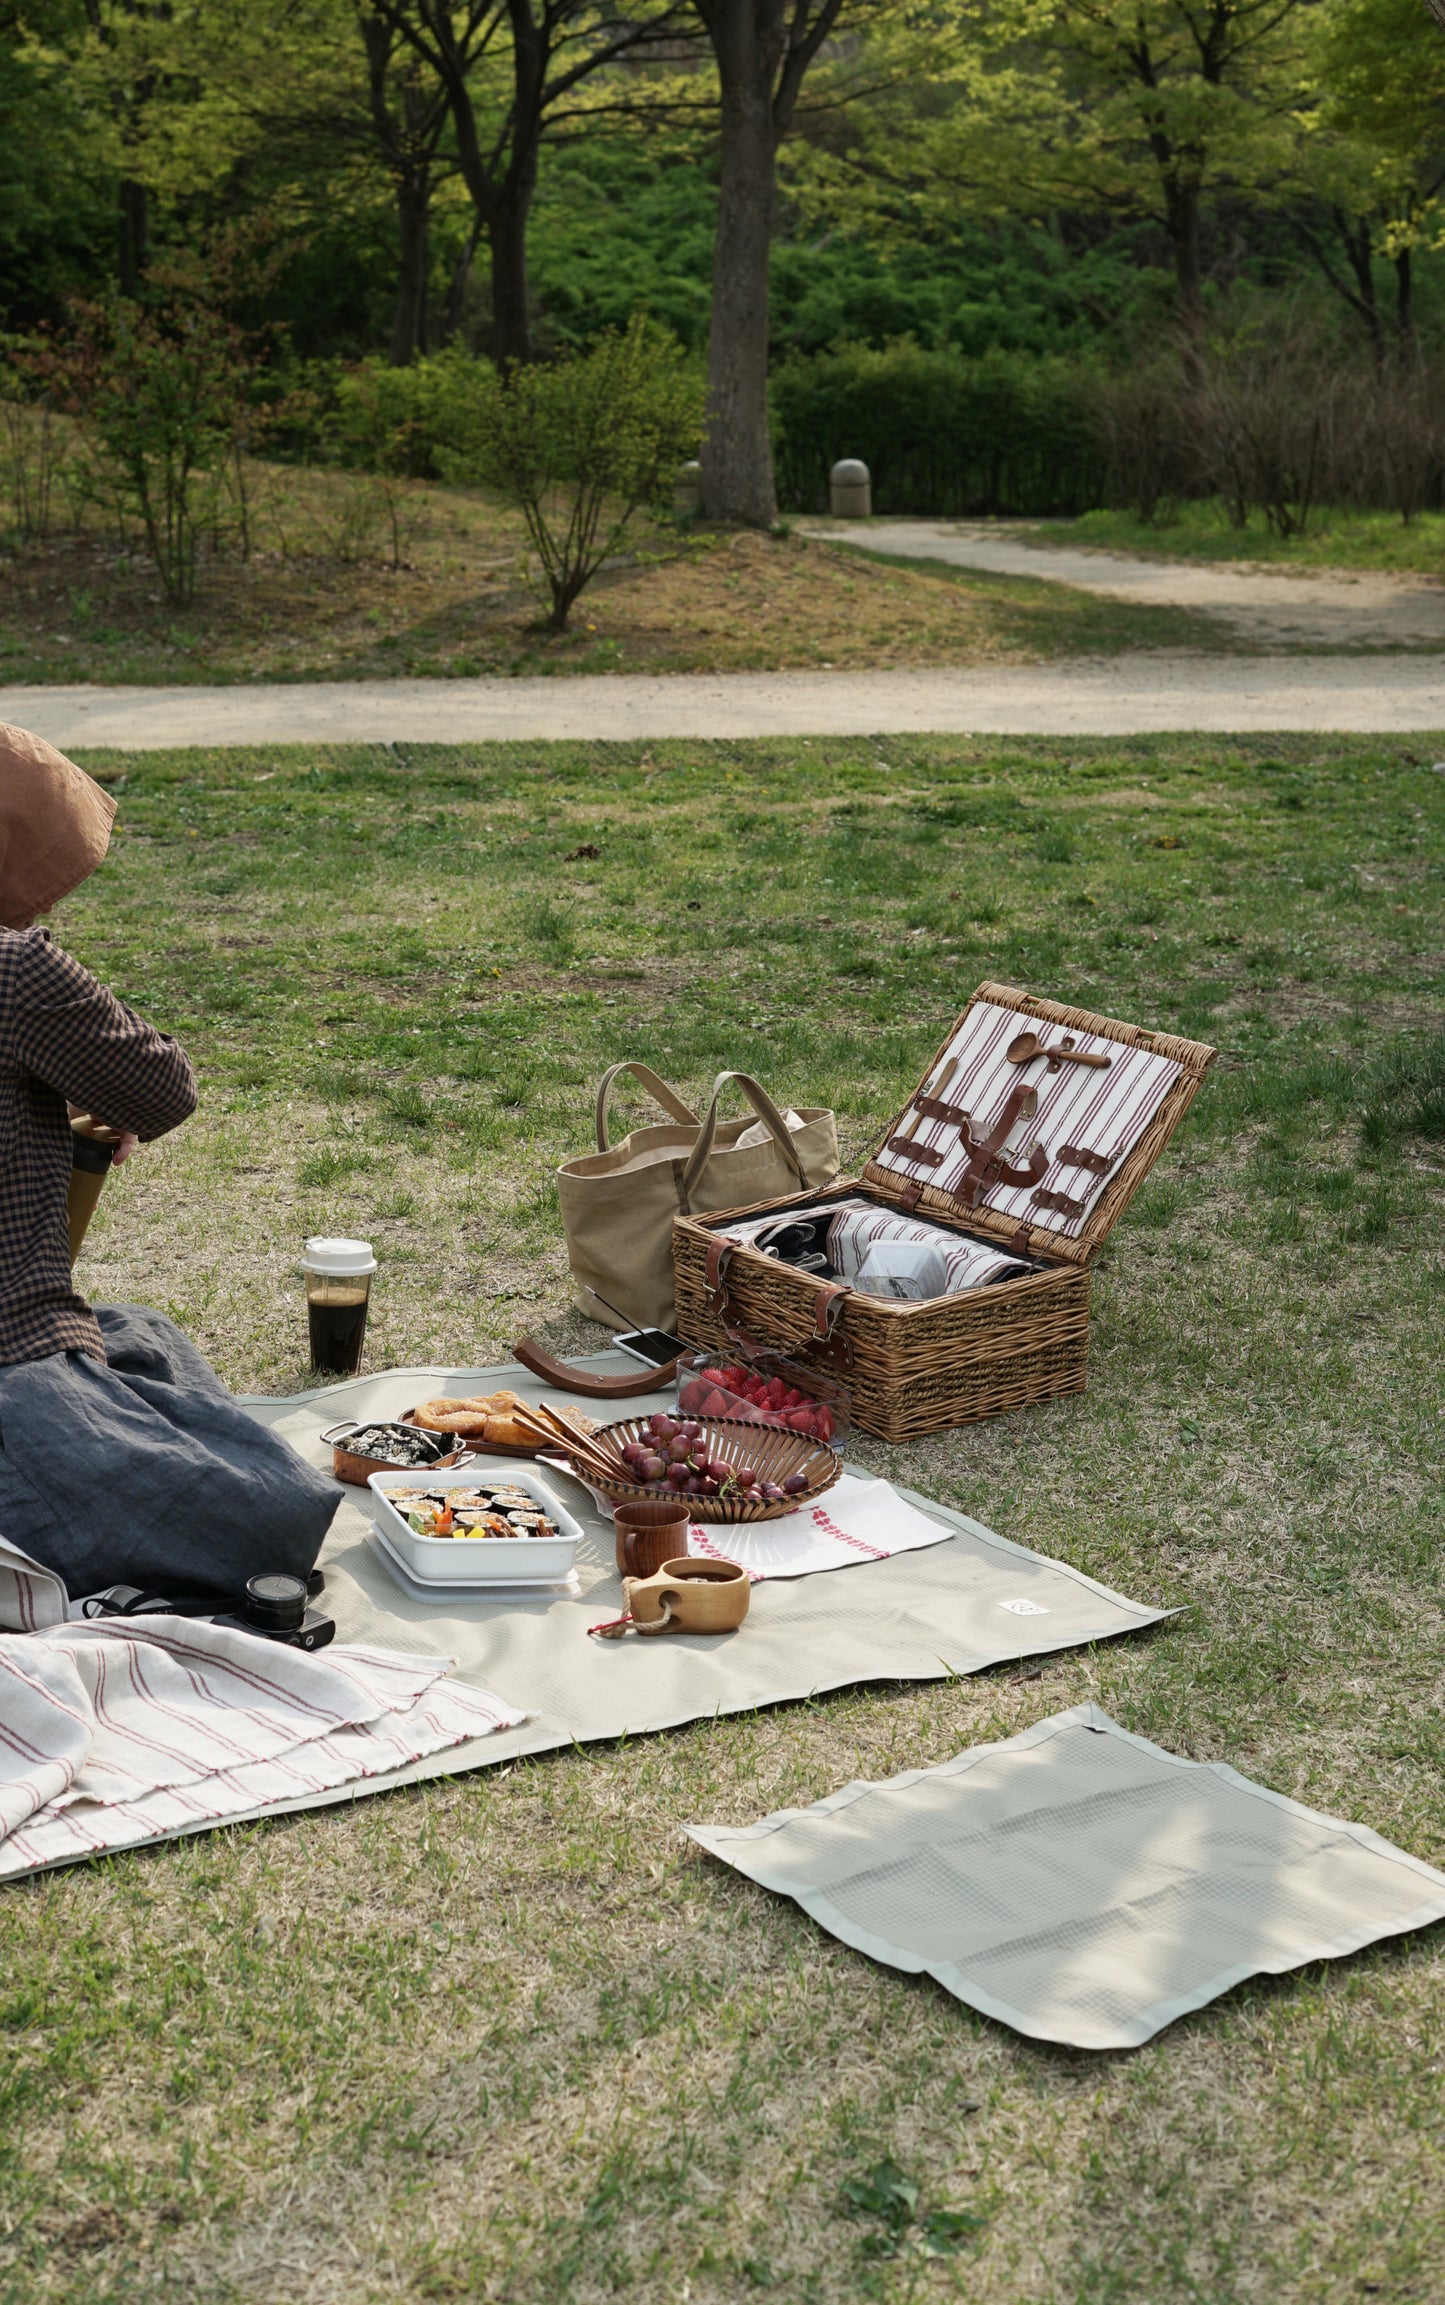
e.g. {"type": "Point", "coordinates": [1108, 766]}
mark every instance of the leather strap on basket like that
{"type": "Point", "coordinates": [986, 1164]}
{"type": "Point", "coordinates": [656, 1088]}
{"type": "Point", "coordinates": [766, 1111]}
{"type": "Point", "coordinates": [827, 1308]}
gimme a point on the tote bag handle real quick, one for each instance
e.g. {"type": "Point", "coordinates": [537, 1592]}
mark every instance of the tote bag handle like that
{"type": "Point", "coordinates": [656, 1088]}
{"type": "Point", "coordinates": [766, 1111]}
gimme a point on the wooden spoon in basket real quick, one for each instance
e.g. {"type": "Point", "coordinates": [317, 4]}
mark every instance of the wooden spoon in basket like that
{"type": "Point", "coordinates": [1025, 1046]}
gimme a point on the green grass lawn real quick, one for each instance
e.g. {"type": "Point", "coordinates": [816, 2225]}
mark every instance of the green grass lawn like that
{"type": "Point", "coordinates": [1334, 538]}
{"type": "Point", "coordinates": [510, 2037]}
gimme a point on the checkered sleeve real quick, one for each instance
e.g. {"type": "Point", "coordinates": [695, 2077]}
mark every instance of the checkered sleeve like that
{"type": "Point", "coordinates": [67, 1030]}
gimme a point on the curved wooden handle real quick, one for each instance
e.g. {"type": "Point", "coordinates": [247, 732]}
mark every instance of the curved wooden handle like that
{"type": "Point", "coordinates": [589, 1388]}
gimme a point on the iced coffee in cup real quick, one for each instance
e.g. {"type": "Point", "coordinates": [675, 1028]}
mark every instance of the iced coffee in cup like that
{"type": "Point", "coordinates": [338, 1289]}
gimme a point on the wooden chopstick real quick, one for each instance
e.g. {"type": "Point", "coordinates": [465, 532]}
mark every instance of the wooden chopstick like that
{"type": "Point", "coordinates": [545, 1424]}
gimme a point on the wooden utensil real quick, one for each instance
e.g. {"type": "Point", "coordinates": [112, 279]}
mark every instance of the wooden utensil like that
{"type": "Point", "coordinates": [544, 1364]}
{"type": "Point", "coordinates": [932, 1088]}
{"type": "Point", "coordinates": [594, 1456]}
{"type": "Point", "coordinates": [1026, 1046]}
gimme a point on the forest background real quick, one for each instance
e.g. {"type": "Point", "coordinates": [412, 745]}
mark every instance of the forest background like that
{"type": "Point", "coordinates": [1025, 258]}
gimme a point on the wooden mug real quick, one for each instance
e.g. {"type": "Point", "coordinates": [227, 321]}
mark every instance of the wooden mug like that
{"type": "Point", "coordinates": [649, 1534]}
{"type": "Point", "coordinates": [690, 1596]}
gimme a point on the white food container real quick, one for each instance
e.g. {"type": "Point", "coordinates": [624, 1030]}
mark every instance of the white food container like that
{"type": "Point", "coordinates": [478, 1560]}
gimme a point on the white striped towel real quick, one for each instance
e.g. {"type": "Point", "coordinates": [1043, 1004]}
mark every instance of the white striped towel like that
{"type": "Point", "coordinates": [857, 1520]}
{"type": "Point", "coordinates": [127, 1729]}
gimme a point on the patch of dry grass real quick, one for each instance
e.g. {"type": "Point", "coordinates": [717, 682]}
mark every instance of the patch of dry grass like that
{"type": "Point", "coordinates": [511, 2037]}
{"type": "Point", "coordinates": [354, 578]}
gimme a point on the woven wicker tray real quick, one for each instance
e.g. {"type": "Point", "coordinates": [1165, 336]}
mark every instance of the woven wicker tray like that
{"type": "Point", "coordinates": [773, 1455]}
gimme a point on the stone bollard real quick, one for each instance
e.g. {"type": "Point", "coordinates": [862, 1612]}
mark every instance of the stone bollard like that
{"type": "Point", "coordinates": [687, 490]}
{"type": "Point", "coordinates": [850, 490]}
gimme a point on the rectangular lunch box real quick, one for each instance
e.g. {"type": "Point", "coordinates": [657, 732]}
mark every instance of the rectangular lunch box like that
{"type": "Point", "coordinates": [1043, 1178]}
{"type": "Point", "coordinates": [478, 1560]}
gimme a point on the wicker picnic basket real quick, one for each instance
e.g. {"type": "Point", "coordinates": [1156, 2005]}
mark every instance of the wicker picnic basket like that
{"type": "Point", "coordinates": [917, 1368]}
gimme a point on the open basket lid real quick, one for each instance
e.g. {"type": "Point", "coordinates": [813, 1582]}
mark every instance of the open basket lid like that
{"type": "Point", "coordinates": [1041, 1156]}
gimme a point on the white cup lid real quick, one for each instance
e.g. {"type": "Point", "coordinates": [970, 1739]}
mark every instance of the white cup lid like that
{"type": "Point", "coordinates": [338, 1257]}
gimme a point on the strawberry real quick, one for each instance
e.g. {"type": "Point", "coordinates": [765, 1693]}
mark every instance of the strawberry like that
{"type": "Point", "coordinates": [718, 1404]}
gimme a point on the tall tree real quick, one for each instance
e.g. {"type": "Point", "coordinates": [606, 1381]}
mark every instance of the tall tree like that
{"type": "Point", "coordinates": [1379, 131]}
{"type": "Point", "coordinates": [409, 115]}
{"type": "Point", "coordinates": [1146, 109]}
{"type": "Point", "coordinates": [762, 49]}
{"type": "Point", "coordinates": [555, 50]}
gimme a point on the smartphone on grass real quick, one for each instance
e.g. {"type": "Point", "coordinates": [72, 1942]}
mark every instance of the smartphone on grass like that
{"type": "Point", "coordinates": [654, 1346]}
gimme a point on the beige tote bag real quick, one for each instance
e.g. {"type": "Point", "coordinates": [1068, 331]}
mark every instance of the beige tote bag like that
{"type": "Point", "coordinates": [619, 1202]}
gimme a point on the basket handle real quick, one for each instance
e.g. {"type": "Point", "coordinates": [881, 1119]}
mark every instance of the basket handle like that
{"type": "Point", "coordinates": [766, 1111]}
{"type": "Point", "coordinates": [656, 1088]}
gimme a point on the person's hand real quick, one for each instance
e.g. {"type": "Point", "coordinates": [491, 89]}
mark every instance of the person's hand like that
{"type": "Point", "coordinates": [86, 1124]}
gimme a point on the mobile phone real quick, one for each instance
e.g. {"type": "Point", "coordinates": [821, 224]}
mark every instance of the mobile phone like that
{"type": "Point", "coordinates": [654, 1346]}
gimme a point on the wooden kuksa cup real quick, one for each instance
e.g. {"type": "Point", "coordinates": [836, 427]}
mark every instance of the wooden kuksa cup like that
{"type": "Point", "coordinates": [690, 1596]}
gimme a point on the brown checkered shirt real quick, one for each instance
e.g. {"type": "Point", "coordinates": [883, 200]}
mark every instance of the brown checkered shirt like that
{"type": "Point", "coordinates": [62, 1035]}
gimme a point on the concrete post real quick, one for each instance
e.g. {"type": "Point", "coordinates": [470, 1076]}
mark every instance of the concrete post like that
{"type": "Point", "coordinates": [687, 490]}
{"type": "Point", "coordinates": [850, 490]}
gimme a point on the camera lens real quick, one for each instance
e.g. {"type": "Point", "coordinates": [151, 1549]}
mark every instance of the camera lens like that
{"type": "Point", "coordinates": [275, 1604]}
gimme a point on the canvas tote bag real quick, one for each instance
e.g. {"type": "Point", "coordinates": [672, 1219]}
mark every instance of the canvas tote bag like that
{"type": "Point", "coordinates": [619, 1202]}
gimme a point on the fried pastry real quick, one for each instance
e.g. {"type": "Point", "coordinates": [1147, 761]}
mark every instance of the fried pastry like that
{"type": "Point", "coordinates": [444, 1416]}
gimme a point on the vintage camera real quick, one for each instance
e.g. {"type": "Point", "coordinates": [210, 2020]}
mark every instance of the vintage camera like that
{"type": "Point", "coordinates": [276, 1607]}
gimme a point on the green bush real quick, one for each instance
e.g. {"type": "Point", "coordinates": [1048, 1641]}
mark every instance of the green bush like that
{"type": "Point", "coordinates": [1006, 433]}
{"type": "Point", "coordinates": [407, 422]}
{"type": "Point", "coordinates": [162, 392]}
{"type": "Point", "coordinates": [579, 445]}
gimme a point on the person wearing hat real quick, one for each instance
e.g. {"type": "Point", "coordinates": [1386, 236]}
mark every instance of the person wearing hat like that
{"type": "Point", "coordinates": [123, 1457]}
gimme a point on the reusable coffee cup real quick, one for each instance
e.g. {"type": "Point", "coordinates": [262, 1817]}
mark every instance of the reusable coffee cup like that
{"type": "Point", "coordinates": [649, 1534]}
{"type": "Point", "coordinates": [91, 1160]}
{"type": "Point", "coordinates": [338, 1291]}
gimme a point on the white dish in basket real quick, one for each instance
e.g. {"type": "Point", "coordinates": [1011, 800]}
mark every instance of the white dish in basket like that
{"type": "Point", "coordinates": [478, 1560]}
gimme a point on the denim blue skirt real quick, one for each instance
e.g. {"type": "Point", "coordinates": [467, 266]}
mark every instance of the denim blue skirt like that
{"type": "Point", "coordinates": [143, 1471]}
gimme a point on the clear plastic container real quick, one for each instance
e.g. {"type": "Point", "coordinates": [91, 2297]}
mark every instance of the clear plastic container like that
{"type": "Point", "coordinates": [764, 1389]}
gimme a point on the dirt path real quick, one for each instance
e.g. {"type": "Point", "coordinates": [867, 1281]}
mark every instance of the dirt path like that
{"type": "Point", "coordinates": [1114, 696]}
{"type": "Point", "coordinates": [1318, 609]}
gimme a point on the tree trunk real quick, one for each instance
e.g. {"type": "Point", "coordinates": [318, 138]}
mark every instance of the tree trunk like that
{"type": "Point", "coordinates": [454, 302]}
{"type": "Point", "coordinates": [737, 456]}
{"type": "Point", "coordinates": [134, 236]}
{"type": "Point", "coordinates": [1181, 216]}
{"type": "Point", "coordinates": [1359, 240]}
{"type": "Point", "coordinates": [1404, 300]}
{"type": "Point", "coordinates": [511, 299]}
{"type": "Point", "coordinates": [413, 211]}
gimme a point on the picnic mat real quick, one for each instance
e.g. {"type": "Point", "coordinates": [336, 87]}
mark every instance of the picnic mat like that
{"type": "Point", "coordinates": [123, 1731]}
{"type": "Point", "coordinates": [962, 1603]}
{"type": "Point", "coordinates": [957, 1606]}
{"type": "Point", "coordinates": [1081, 1884]}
